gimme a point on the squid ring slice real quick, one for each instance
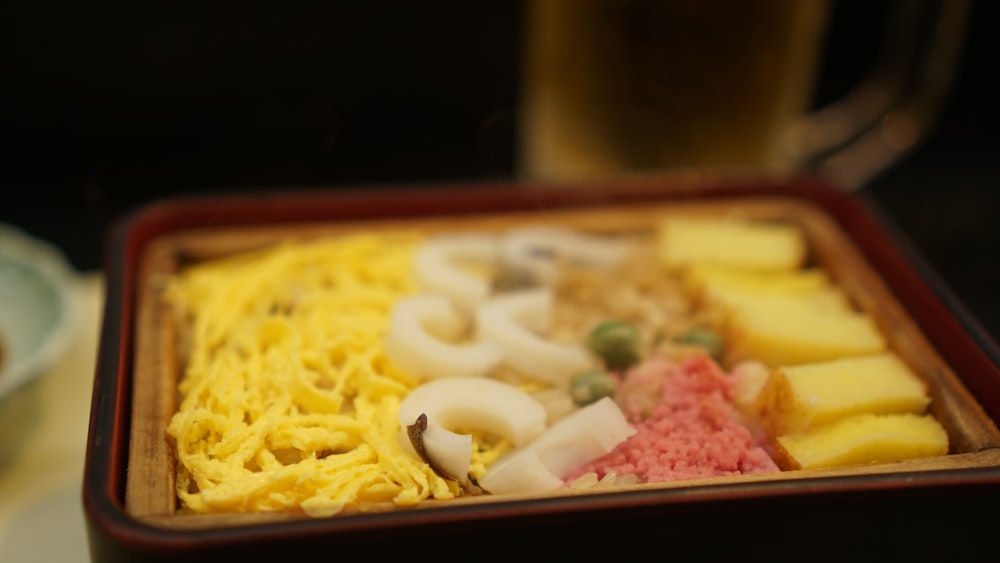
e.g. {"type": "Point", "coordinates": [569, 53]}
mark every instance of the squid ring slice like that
{"type": "Point", "coordinates": [514, 321]}
{"type": "Point", "coordinates": [415, 341]}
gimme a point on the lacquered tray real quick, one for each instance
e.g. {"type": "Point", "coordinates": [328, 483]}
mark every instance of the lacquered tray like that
{"type": "Point", "coordinates": [132, 510]}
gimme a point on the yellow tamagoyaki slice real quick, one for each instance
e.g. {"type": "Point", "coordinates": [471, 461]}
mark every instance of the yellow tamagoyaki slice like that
{"type": "Point", "coordinates": [795, 398]}
{"type": "Point", "coordinates": [862, 439]}
{"type": "Point", "coordinates": [720, 283]}
{"type": "Point", "coordinates": [796, 331]}
{"type": "Point", "coordinates": [823, 299]}
{"type": "Point", "coordinates": [754, 244]}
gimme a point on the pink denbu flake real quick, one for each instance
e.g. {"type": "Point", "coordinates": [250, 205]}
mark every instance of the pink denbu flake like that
{"type": "Point", "coordinates": [686, 425]}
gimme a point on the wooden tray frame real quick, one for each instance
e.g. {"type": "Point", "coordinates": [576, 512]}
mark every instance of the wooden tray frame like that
{"type": "Point", "coordinates": [128, 518]}
{"type": "Point", "coordinates": [150, 496]}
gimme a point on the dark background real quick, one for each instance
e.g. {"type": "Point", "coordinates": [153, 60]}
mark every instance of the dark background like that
{"type": "Point", "coordinates": [108, 105]}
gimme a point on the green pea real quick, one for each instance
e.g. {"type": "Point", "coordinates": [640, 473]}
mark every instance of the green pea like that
{"type": "Point", "coordinates": [616, 343]}
{"type": "Point", "coordinates": [589, 386]}
{"type": "Point", "coordinates": [705, 338]}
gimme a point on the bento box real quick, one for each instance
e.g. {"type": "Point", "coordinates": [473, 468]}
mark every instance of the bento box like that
{"type": "Point", "coordinates": [781, 481]}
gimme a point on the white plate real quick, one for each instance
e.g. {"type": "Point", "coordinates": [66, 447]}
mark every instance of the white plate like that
{"type": "Point", "coordinates": [37, 319]}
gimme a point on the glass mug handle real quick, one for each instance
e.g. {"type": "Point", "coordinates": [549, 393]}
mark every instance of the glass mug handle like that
{"type": "Point", "coordinates": [888, 114]}
{"type": "Point", "coordinates": [644, 86]}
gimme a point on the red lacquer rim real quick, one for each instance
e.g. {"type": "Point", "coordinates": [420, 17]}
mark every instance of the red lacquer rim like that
{"type": "Point", "coordinates": [970, 352]}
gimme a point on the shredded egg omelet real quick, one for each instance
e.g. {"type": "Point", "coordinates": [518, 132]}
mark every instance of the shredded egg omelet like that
{"type": "Point", "coordinates": [287, 400]}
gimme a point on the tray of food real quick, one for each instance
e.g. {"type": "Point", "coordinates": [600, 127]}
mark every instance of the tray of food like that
{"type": "Point", "coordinates": [345, 369]}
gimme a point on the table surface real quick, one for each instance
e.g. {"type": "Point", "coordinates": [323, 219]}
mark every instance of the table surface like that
{"type": "Point", "coordinates": [41, 512]}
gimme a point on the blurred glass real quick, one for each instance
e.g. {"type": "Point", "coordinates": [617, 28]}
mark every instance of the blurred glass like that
{"type": "Point", "coordinates": [623, 86]}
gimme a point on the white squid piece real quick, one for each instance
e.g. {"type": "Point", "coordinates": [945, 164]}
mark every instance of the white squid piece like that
{"type": "Point", "coordinates": [540, 251]}
{"type": "Point", "coordinates": [523, 472]}
{"type": "Point", "coordinates": [418, 341]}
{"type": "Point", "coordinates": [514, 321]}
{"type": "Point", "coordinates": [437, 269]}
{"type": "Point", "coordinates": [470, 403]}
{"type": "Point", "coordinates": [579, 438]}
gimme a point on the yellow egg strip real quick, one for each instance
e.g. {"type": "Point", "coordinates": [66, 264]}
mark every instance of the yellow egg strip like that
{"type": "Point", "coordinates": [288, 401]}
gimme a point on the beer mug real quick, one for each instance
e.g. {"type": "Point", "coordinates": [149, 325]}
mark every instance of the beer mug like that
{"type": "Point", "coordinates": [623, 86]}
